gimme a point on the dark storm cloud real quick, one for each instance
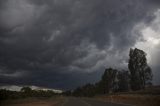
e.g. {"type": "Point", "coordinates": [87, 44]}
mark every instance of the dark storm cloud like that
{"type": "Point", "coordinates": [53, 42]}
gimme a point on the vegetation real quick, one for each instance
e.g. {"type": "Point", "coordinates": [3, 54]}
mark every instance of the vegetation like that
{"type": "Point", "coordinates": [24, 93]}
{"type": "Point", "coordinates": [140, 72]}
{"type": "Point", "coordinates": [87, 90]}
{"type": "Point", "coordinates": [137, 77]}
{"type": "Point", "coordinates": [113, 80]}
{"type": "Point", "coordinates": [123, 81]}
{"type": "Point", "coordinates": [108, 80]}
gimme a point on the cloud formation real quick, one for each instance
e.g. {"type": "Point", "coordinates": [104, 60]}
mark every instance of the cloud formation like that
{"type": "Point", "coordinates": [66, 43]}
{"type": "Point", "coordinates": [151, 43]}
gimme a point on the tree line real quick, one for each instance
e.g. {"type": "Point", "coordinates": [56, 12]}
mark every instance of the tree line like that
{"type": "Point", "coordinates": [24, 93]}
{"type": "Point", "coordinates": [138, 76]}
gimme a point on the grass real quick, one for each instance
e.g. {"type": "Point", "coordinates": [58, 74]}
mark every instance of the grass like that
{"type": "Point", "coordinates": [148, 97]}
{"type": "Point", "coordinates": [138, 100]}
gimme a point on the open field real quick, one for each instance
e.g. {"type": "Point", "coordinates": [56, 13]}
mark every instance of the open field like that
{"type": "Point", "coordinates": [54, 101]}
{"type": "Point", "coordinates": [137, 100]}
{"type": "Point", "coordinates": [112, 100]}
{"type": "Point", "coordinates": [59, 101]}
{"type": "Point", "coordinates": [147, 97]}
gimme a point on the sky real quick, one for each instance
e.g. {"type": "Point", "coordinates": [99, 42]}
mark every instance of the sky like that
{"type": "Point", "coordinates": [64, 44]}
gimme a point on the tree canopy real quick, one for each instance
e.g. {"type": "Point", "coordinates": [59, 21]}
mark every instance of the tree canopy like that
{"type": "Point", "coordinates": [115, 80]}
{"type": "Point", "coordinates": [140, 72]}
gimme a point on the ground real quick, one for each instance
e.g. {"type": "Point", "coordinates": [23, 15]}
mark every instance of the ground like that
{"type": "Point", "coordinates": [112, 100]}
{"type": "Point", "coordinates": [136, 100]}
{"type": "Point", "coordinates": [54, 101]}
{"type": "Point", "coordinates": [147, 97]}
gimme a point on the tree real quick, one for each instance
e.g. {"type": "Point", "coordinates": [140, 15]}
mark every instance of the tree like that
{"type": "Point", "coordinates": [108, 79]}
{"type": "Point", "coordinates": [139, 70]}
{"type": "Point", "coordinates": [26, 89]}
{"type": "Point", "coordinates": [99, 87]}
{"type": "Point", "coordinates": [87, 90]}
{"type": "Point", "coordinates": [78, 92]}
{"type": "Point", "coordinates": [67, 93]}
{"type": "Point", "coordinates": [123, 81]}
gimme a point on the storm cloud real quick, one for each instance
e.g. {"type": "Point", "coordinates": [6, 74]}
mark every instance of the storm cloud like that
{"type": "Point", "coordinates": [67, 43]}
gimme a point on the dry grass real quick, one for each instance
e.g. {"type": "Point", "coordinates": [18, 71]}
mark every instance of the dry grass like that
{"type": "Point", "coordinates": [137, 100]}
{"type": "Point", "coordinates": [55, 101]}
{"type": "Point", "coordinates": [148, 97]}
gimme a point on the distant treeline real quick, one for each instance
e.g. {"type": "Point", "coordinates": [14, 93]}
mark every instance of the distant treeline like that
{"type": "Point", "coordinates": [138, 76]}
{"type": "Point", "coordinates": [25, 92]}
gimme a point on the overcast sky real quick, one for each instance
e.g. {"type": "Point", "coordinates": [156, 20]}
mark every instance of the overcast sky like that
{"type": "Point", "coordinates": [66, 43]}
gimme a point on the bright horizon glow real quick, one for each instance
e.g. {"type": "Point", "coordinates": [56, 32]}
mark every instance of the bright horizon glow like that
{"type": "Point", "coordinates": [153, 40]}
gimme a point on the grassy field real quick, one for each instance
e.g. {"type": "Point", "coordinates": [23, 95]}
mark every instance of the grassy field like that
{"type": "Point", "coordinates": [137, 100]}
{"type": "Point", "coordinates": [147, 97]}
{"type": "Point", "coordinates": [54, 101]}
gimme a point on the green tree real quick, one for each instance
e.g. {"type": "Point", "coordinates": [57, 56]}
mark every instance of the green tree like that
{"type": "Point", "coordinates": [78, 92]}
{"type": "Point", "coordinates": [88, 90]}
{"type": "Point", "coordinates": [26, 89]}
{"type": "Point", "coordinates": [123, 81]}
{"type": "Point", "coordinates": [139, 70]}
{"type": "Point", "coordinates": [108, 80]}
{"type": "Point", "coordinates": [67, 93]}
{"type": "Point", "coordinates": [99, 89]}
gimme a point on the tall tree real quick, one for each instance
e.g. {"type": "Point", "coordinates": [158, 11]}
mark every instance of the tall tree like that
{"type": "Point", "coordinates": [139, 69]}
{"type": "Point", "coordinates": [108, 79]}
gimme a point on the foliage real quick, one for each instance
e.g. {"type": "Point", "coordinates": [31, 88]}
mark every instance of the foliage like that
{"type": "Point", "coordinates": [123, 81]}
{"type": "Point", "coordinates": [108, 80]}
{"type": "Point", "coordinates": [67, 93]}
{"type": "Point", "coordinates": [88, 90]}
{"type": "Point", "coordinates": [140, 72]}
{"type": "Point", "coordinates": [113, 80]}
{"type": "Point", "coordinates": [26, 89]}
{"type": "Point", "coordinates": [25, 92]}
{"type": "Point", "coordinates": [6, 94]}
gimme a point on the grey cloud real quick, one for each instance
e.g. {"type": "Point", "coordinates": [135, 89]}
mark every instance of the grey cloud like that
{"type": "Point", "coordinates": [57, 42]}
